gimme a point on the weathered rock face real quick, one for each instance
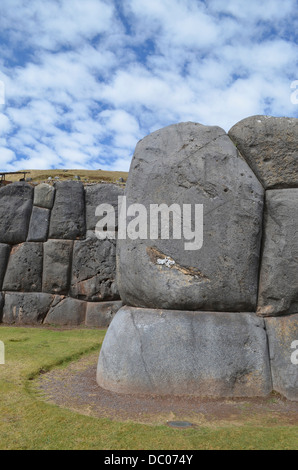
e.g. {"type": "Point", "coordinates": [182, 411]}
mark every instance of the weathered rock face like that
{"type": "Point", "coordinates": [24, 269]}
{"type": "Point", "coordinates": [270, 146]}
{"type": "Point", "coordinates": [66, 311]}
{"type": "Point", "coordinates": [185, 353]}
{"type": "Point", "coordinates": [278, 287]}
{"type": "Point", "coordinates": [44, 195]}
{"type": "Point", "coordinates": [39, 225]}
{"type": "Point", "coordinates": [4, 255]}
{"type": "Point", "coordinates": [57, 266]}
{"type": "Point", "coordinates": [68, 213]}
{"type": "Point", "coordinates": [93, 270]}
{"type": "Point", "coordinates": [1, 305]}
{"type": "Point", "coordinates": [100, 314]}
{"type": "Point", "coordinates": [26, 308]}
{"type": "Point", "coordinates": [283, 347]}
{"type": "Point", "coordinates": [100, 194]}
{"type": "Point", "coordinates": [15, 210]}
{"type": "Point", "coordinates": [189, 163]}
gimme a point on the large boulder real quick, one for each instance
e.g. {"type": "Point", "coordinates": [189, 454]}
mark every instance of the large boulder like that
{"type": "Point", "coordinates": [94, 270]}
{"type": "Point", "coordinates": [68, 213]}
{"type": "Point", "coordinates": [192, 164]}
{"type": "Point", "coordinates": [66, 311]}
{"type": "Point", "coordinates": [283, 347]}
{"type": "Point", "coordinates": [4, 255]}
{"type": "Point", "coordinates": [15, 210]}
{"type": "Point", "coordinates": [278, 285]}
{"type": "Point", "coordinates": [26, 308]}
{"type": "Point", "coordinates": [97, 194]}
{"type": "Point", "coordinates": [270, 146]}
{"type": "Point", "coordinates": [44, 195]}
{"type": "Point", "coordinates": [24, 269]}
{"type": "Point", "coordinates": [57, 266]}
{"type": "Point", "coordinates": [39, 225]}
{"type": "Point", "coordinates": [166, 352]}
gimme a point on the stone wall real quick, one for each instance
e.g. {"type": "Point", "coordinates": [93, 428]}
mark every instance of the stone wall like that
{"type": "Point", "coordinates": [53, 269]}
{"type": "Point", "coordinates": [221, 320]}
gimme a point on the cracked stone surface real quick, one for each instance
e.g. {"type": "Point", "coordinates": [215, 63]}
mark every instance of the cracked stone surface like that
{"type": "Point", "coordinates": [270, 146]}
{"type": "Point", "coordinates": [189, 163]}
{"type": "Point", "coordinates": [174, 352]}
{"type": "Point", "coordinates": [278, 285]}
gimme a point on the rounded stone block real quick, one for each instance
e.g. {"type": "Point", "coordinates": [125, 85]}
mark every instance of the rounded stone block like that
{"type": "Point", "coordinates": [278, 285]}
{"type": "Point", "coordinates": [191, 164]}
{"type": "Point", "coordinates": [39, 225]}
{"type": "Point", "coordinates": [44, 195]}
{"type": "Point", "coordinates": [4, 255]}
{"type": "Point", "coordinates": [100, 314]}
{"type": "Point", "coordinates": [66, 311]}
{"type": "Point", "coordinates": [57, 266]}
{"type": "Point", "coordinates": [166, 352]}
{"type": "Point", "coordinates": [270, 146]}
{"type": "Point", "coordinates": [26, 308]}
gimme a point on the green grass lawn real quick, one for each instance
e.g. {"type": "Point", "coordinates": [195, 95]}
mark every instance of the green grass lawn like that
{"type": "Point", "coordinates": [27, 422]}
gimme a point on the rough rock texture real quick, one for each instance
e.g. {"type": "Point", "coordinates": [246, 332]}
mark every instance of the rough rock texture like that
{"type": "Point", "coordinates": [66, 311]}
{"type": "Point", "coordinates": [26, 308]}
{"type": "Point", "coordinates": [68, 213]}
{"type": "Point", "coordinates": [1, 306]}
{"type": "Point", "coordinates": [100, 314]}
{"type": "Point", "coordinates": [57, 266]}
{"type": "Point", "coordinates": [278, 285]}
{"type": "Point", "coordinates": [190, 163]}
{"type": "Point", "coordinates": [270, 146]}
{"type": "Point", "coordinates": [100, 194]}
{"type": "Point", "coordinates": [24, 269]}
{"type": "Point", "coordinates": [39, 225]}
{"type": "Point", "coordinates": [185, 353]}
{"type": "Point", "coordinates": [15, 210]}
{"type": "Point", "coordinates": [44, 195]}
{"type": "Point", "coordinates": [283, 342]}
{"type": "Point", "coordinates": [93, 270]}
{"type": "Point", "coordinates": [4, 255]}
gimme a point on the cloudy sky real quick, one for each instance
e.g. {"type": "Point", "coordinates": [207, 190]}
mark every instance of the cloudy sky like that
{"type": "Point", "coordinates": [81, 81]}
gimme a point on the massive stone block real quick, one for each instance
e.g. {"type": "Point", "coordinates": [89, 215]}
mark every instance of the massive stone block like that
{"type": "Point", "coordinates": [4, 255]}
{"type": "Point", "coordinates": [39, 225]}
{"type": "Point", "coordinates": [26, 308]}
{"type": "Point", "coordinates": [1, 306]}
{"type": "Point", "coordinates": [270, 146]}
{"type": "Point", "coordinates": [68, 213]}
{"type": "Point", "coordinates": [100, 314]}
{"type": "Point", "coordinates": [57, 266]}
{"type": "Point", "coordinates": [100, 194]}
{"type": "Point", "coordinates": [24, 269]}
{"type": "Point", "coordinates": [66, 312]}
{"type": "Point", "coordinates": [44, 195]}
{"type": "Point", "coordinates": [278, 287]}
{"type": "Point", "coordinates": [15, 210]}
{"type": "Point", "coordinates": [190, 163]}
{"type": "Point", "coordinates": [94, 270]}
{"type": "Point", "coordinates": [283, 347]}
{"type": "Point", "coordinates": [185, 353]}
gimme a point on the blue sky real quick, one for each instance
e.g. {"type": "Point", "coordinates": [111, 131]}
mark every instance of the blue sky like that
{"type": "Point", "coordinates": [84, 80]}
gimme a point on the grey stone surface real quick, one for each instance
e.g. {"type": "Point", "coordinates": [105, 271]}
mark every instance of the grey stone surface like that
{"type": "Point", "coordinates": [283, 347]}
{"type": "Point", "coordinates": [100, 194]}
{"type": "Point", "coordinates": [100, 314]}
{"type": "Point", "coordinates": [15, 210]}
{"type": "Point", "coordinates": [1, 306]}
{"type": "Point", "coordinates": [94, 270]}
{"type": "Point", "coordinates": [185, 353]}
{"type": "Point", "coordinates": [26, 308]}
{"type": "Point", "coordinates": [57, 266]}
{"type": "Point", "coordinates": [4, 255]}
{"type": "Point", "coordinates": [68, 213]}
{"type": "Point", "coordinates": [66, 312]}
{"type": "Point", "coordinates": [190, 163]}
{"type": "Point", "coordinates": [278, 285]}
{"type": "Point", "coordinates": [39, 225]}
{"type": "Point", "coordinates": [270, 146]}
{"type": "Point", "coordinates": [44, 195]}
{"type": "Point", "coordinates": [24, 268]}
